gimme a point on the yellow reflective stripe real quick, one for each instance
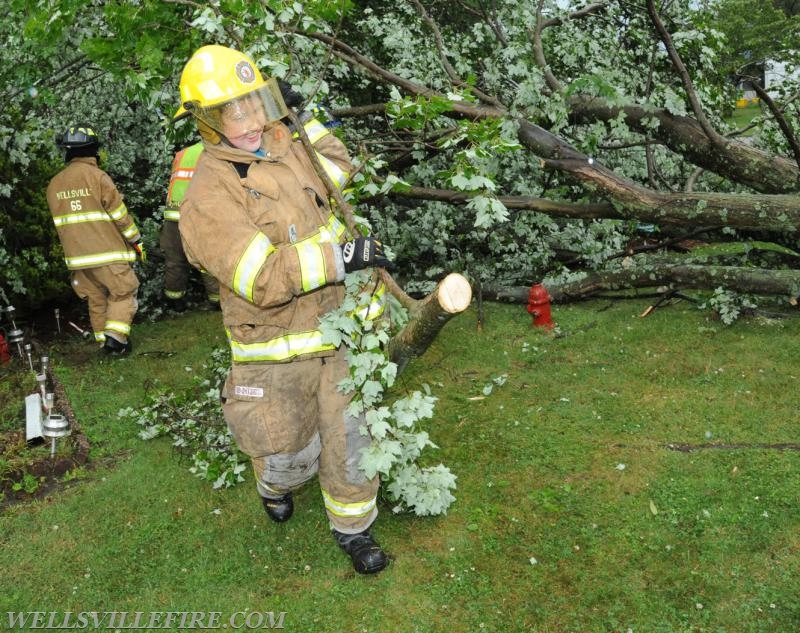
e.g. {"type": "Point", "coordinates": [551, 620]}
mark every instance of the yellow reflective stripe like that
{"type": "Point", "coordinates": [265, 487]}
{"type": "Point", "coordinates": [130, 232]}
{"type": "Point", "coordinates": [310, 254]}
{"type": "Point", "coordinates": [338, 176]}
{"type": "Point", "coordinates": [99, 336]}
{"type": "Point", "coordinates": [172, 214]}
{"type": "Point", "coordinates": [376, 307]}
{"type": "Point", "coordinates": [174, 294]}
{"type": "Point", "coordinates": [99, 259]}
{"type": "Point", "coordinates": [118, 326]}
{"type": "Point", "coordinates": [79, 218]}
{"type": "Point", "coordinates": [336, 227]}
{"type": "Point", "coordinates": [333, 231]}
{"type": "Point", "coordinates": [315, 130]}
{"type": "Point", "coordinates": [278, 349]}
{"type": "Point", "coordinates": [339, 509]}
{"type": "Point", "coordinates": [250, 263]}
{"type": "Point", "coordinates": [312, 264]}
{"type": "Point", "coordinates": [119, 213]}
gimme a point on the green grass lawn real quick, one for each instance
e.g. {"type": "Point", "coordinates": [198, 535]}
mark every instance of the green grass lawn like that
{"type": "Point", "coordinates": [741, 117]}
{"type": "Point", "coordinates": [576, 511]}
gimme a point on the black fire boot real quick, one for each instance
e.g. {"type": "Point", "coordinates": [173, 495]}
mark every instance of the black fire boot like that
{"type": "Point", "coordinates": [113, 347]}
{"type": "Point", "coordinates": [281, 509]}
{"type": "Point", "coordinates": [364, 551]}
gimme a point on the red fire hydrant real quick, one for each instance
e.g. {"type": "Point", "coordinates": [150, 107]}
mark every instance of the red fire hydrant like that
{"type": "Point", "coordinates": [539, 306]}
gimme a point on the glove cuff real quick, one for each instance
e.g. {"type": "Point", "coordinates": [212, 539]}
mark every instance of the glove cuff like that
{"type": "Point", "coordinates": [338, 261]}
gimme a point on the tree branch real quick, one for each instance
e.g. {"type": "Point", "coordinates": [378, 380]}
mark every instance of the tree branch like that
{"type": "Point", "coordinates": [737, 161]}
{"type": "Point", "coordinates": [697, 108]}
{"type": "Point", "coordinates": [538, 53]}
{"type": "Point", "coordinates": [589, 9]}
{"type": "Point", "coordinates": [448, 67]}
{"type": "Point", "coordinates": [785, 126]}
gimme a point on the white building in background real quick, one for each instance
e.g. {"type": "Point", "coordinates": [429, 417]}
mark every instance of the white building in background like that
{"type": "Point", "coordinates": [776, 73]}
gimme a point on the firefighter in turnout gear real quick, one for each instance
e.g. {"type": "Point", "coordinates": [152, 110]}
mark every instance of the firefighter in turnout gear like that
{"type": "Point", "coordinates": [256, 216]}
{"type": "Point", "coordinates": [99, 237]}
{"type": "Point", "coordinates": [176, 267]}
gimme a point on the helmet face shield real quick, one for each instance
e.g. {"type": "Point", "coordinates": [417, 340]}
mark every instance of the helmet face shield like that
{"type": "Point", "coordinates": [246, 114]}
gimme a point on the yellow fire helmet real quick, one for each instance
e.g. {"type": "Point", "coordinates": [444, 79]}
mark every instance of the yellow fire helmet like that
{"type": "Point", "coordinates": [219, 81]}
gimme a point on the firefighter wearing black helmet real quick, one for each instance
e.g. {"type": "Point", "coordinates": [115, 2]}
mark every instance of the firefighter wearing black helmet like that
{"type": "Point", "coordinates": [99, 237]}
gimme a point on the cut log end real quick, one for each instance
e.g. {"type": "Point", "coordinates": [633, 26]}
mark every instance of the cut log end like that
{"type": "Point", "coordinates": [454, 294]}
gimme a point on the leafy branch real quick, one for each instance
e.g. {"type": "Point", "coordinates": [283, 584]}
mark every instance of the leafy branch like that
{"type": "Point", "coordinates": [194, 421]}
{"type": "Point", "coordinates": [397, 438]}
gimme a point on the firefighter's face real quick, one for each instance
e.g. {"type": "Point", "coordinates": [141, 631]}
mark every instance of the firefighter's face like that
{"type": "Point", "coordinates": [243, 121]}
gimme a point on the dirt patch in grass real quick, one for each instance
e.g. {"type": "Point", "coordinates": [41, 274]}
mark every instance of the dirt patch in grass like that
{"type": "Point", "coordinates": [27, 468]}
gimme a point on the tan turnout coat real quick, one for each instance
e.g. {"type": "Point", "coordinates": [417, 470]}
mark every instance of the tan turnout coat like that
{"type": "Point", "coordinates": [251, 234]}
{"type": "Point", "coordinates": [92, 221]}
{"type": "Point", "coordinates": [271, 240]}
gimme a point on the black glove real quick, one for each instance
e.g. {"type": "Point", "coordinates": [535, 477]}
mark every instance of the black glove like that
{"type": "Point", "coordinates": [364, 252]}
{"type": "Point", "coordinates": [291, 97]}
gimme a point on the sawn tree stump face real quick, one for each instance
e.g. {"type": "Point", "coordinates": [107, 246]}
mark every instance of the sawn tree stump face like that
{"type": "Point", "coordinates": [454, 293]}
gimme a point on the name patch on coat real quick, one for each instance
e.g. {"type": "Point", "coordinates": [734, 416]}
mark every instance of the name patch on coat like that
{"type": "Point", "coordinates": [252, 392]}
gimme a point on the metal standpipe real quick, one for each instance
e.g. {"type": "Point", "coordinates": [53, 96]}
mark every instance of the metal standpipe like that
{"type": "Point", "coordinates": [41, 380]}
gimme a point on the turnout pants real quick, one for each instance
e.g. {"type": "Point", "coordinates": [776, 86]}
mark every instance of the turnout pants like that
{"type": "Point", "coordinates": [177, 267]}
{"type": "Point", "coordinates": [290, 419]}
{"type": "Point", "coordinates": [110, 292]}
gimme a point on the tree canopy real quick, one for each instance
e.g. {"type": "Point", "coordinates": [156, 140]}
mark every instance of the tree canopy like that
{"type": "Point", "coordinates": [511, 142]}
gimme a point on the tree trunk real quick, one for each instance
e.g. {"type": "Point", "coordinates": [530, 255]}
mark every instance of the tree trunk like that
{"type": "Point", "coordinates": [676, 276]}
{"type": "Point", "coordinates": [427, 317]}
{"type": "Point", "coordinates": [736, 160]}
{"type": "Point", "coordinates": [767, 214]}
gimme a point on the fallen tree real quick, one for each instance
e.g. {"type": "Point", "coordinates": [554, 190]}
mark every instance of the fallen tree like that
{"type": "Point", "coordinates": [666, 277]}
{"type": "Point", "coordinates": [504, 141]}
{"type": "Point", "coordinates": [759, 184]}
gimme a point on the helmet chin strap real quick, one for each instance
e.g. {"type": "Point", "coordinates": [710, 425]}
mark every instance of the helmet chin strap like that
{"type": "Point", "coordinates": [208, 133]}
